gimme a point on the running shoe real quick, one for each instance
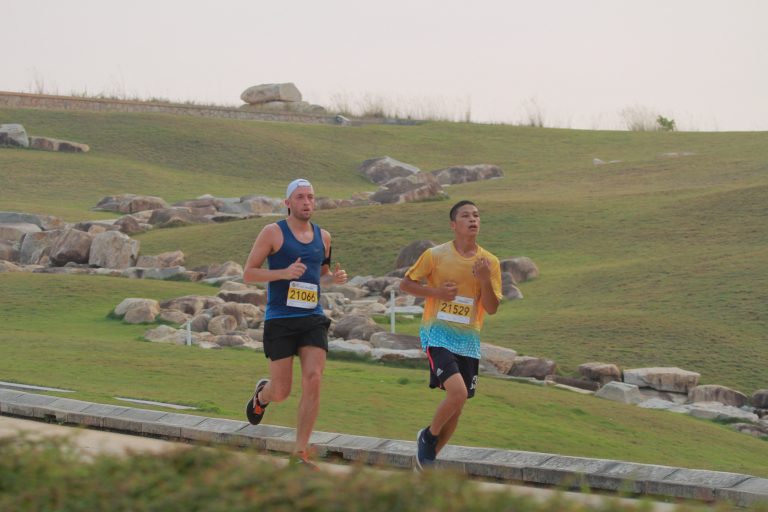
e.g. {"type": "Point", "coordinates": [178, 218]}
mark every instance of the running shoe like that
{"type": "Point", "coordinates": [254, 411]}
{"type": "Point", "coordinates": [425, 449]}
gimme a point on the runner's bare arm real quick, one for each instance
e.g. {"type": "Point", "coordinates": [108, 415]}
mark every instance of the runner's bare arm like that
{"type": "Point", "coordinates": [447, 291]}
{"type": "Point", "coordinates": [269, 241]}
{"type": "Point", "coordinates": [488, 298]}
{"type": "Point", "coordinates": [338, 275]}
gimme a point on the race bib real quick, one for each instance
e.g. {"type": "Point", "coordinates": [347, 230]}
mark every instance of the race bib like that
{"type": "Point", "coordinates": [459, 311]}
{"type": "Point", "coordinates": [302, 295]}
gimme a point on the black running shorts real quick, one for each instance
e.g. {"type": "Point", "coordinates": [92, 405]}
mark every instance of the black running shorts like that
{"type": "Point", "coordinates": [284, 336]}
{"type": "Point", "coordinates": [443, 363]}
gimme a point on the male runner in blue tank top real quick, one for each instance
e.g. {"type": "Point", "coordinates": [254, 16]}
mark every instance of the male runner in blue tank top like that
{"type": "Point", "coordinates": [299, 256]}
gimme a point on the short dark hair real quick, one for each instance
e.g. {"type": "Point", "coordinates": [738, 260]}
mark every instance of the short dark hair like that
{"type": "Point", "coordinates": [456, 207]}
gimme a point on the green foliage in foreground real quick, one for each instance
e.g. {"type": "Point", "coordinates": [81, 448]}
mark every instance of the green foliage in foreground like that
{"type": "Point", "coordinates": [50, 475]}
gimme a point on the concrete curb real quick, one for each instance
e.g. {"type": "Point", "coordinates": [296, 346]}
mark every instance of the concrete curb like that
{"type": "Point", "coordinates": [516, 466]}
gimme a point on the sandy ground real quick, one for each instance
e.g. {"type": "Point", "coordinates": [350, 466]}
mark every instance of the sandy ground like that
{"type": "Point", "coordinates": [92, 442]}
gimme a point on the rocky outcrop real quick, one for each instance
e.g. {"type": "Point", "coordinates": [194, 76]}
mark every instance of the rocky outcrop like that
{"type": "Point", "coordinates": [409, 254]}
{"type": "Point", "coordinates": [466, 173]}
{"type": "Point", "coordinates": [13, 135]}
{"type": "Point", "coordinates": [383, 169]}
{"type": "Point", "coordinates": [663, 379]}
{"type": "Point", "coordinates": [271, 92]}
{"type": "Point", "coordinates": [602, 373]}
{"type": "Point", "coordinates": [716, 393]}
{"type": "Point", "coordinates": [521, 268]}
{"type": "Point", "coordinates": [113, 249]}
{"type": "Point", "coordinates": [130, 203]}
{"type": "Point", "coordinates": [417, 187]}
{"type": "Point", "coordinates": [50, 144]}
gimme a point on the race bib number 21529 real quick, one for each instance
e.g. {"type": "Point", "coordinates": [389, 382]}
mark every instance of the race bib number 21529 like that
{"type": "Point", "coordinates": [458, 311]}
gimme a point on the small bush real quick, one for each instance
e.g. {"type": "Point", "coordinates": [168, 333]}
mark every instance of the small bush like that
{"type": "Point", "coordinates": [51, 475]}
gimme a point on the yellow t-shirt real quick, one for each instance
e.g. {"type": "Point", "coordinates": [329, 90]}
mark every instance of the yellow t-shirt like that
{"type": "Point", "coordinates": [454, 325]}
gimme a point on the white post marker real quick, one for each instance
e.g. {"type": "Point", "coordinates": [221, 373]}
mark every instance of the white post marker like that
{"type": "Point", "coordinates": [392, 311]}
{"type": "Point", "coordinates": [189, 332]}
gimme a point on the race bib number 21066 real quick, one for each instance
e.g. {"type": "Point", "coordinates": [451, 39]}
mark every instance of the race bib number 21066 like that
{"type": "Point", "coordinates": [302, 295]}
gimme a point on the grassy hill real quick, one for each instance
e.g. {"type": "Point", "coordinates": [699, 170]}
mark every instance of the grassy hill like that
{"type": "Point", "coordinates": [656, 260]}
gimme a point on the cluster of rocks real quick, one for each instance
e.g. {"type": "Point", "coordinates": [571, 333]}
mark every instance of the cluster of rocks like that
{"type": "Point", "coordinates": [677, 390]}
{"type": "Point", "coordinates": [16, 135]}
{"type": "Point", "coordinates": [44, 243]}
{"type": "Point", "coordinates": [143, 212]}
{"type": "Point", "coordinates": [281, 97]}
{"type": "Point", "coordinates": [401, 182]}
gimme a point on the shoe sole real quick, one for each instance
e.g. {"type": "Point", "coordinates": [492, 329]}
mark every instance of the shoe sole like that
{"type": "Point", "coordinates": [249, 412]}
{"type": "Point", "coordinates": [418, 467]}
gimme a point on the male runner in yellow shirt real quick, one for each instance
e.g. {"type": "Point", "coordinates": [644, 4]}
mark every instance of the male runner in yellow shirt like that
{"type": "Point", "coordinates": [461, 282]}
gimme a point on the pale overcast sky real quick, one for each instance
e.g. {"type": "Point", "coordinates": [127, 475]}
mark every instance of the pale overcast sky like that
{"type": "Point", "coordinates": [703, 63]}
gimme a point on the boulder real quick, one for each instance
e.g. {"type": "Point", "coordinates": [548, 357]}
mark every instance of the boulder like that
{"type": "Point", "coordinates": [716, 393]}
{"type": "Point", "coordinates": [350, 292]}
{"type": "Point", "coordinates": [231, 340]}
{"type": "Point", "coordinates": [130, 225]}
{"type": "Point", "coordinates": [389, 355]}
{"type": "Point", "coordinates": [271, 92]}
{"type": "Point", "coordinates": [663, 379]}
{"type": "Point", "coordinates": [522, 268]}
{"type": "Point", "coordinates": [15, 232]}
{"type": "Point", "coordinates": [716, 411]}
{"type": "Point", "coordinates": [142, 312]}
{"type": "Point", "coordinates": [173, 316]}
{"type": "Point", "coordinates": [222, 324]}
{"type": "Point", "coordinates": [344, 327]}
{"type": "Point", "coordinates": [13, 135]}
{"type": "Point", "coordinates": [199, 323]}
{"type": "Point", "coordinates": [620, 392]}
{"type": "Point", "coordinates": [44, 222]}
{"type": "Point", "coordinates": [260, 204]}
{"type": "Point", "coordinates": [602, 373]}
{"type": "Point", "coordinates": [359, 347]}
{"type": "Point", "coordinates": [166, 334]}
{"type": "Point", "coordinates": [191, 304]}
{"type": "Point", "coordinates": [71, 246]}
{"type": "Point", "coordinates": [467, 173]}
{"type": "Point", "coordinates": [500, 359]}
{"type": "Point", "coordinates": [508, 288]}
{"type": "Point", "coordinates": [249, 296]}
{"type": "Point", "coordinates": [126, 304]}
{"type": "Point", "coordinates": [113, 249]}
{"type": "Point", "coordinates": [377, 285]}
{"type": "Point", "coordinates": [175, 217]}
{"type": "Point", "coordinates": [383, 339]}
{"type": "Point", "coordinates": [9, 251]}
{"type": "Point", "coordinates": [411, 252]}
{"type": "Point", "coordinates": [7, 266]}
{"type": "Point", "coordinates": [759, 399]}
{"type": "Point", "coordinates": [162, 260]}
{"type": "Point", "coordinates": [66, 146]}
{"type": "Point", "coordinates": [418, 187]}
{"type": "Point", "coordinates": [36, 247]}
{"type": "Point", "coordinates": [536, 367]}
{"type": "Point", "coordinates": [382, 169]}
{"type": "Point", "coordinates": [130, 203]}
{"type": "Point", "coordinates": [226, 269]}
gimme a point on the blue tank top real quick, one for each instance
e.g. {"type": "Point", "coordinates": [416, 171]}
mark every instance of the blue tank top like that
{"type": "Point", "coordinates": [305, 290]}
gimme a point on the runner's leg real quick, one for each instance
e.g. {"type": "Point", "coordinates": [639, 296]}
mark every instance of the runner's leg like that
{"type": "Point", "coordinates": [312, 365]}
{"type": "Point", "coordinates": [279, 386]}
{"type": "Point", "coordinates": [449, 410]}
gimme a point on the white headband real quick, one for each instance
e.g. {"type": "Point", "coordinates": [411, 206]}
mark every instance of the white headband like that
{"type": "Point", "coordinates": [301, 182]}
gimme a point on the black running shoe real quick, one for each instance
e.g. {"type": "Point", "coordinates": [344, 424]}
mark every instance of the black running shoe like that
{"type": "Point", "coordinates": [254, 411]}
{"type": "Point", "coordinates": [425, 449]}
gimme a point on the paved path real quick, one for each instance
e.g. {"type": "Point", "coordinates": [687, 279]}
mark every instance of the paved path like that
{"type": "Point", "coordinates": [505, 465]}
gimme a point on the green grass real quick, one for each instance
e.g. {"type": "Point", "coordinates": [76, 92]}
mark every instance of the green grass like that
{"type": "Point", "coordinates": [652, 261]}
{"type": "Point", "coordinates": [71, 343]}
